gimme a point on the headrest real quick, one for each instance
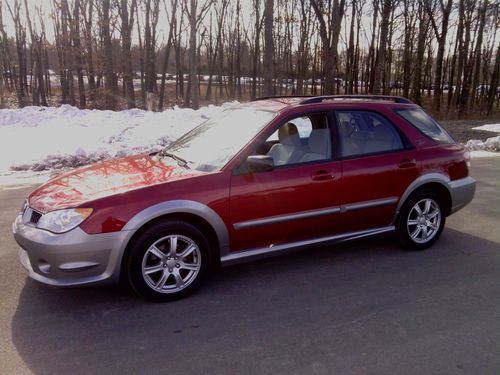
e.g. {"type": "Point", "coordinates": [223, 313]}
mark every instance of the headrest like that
{"type": "Point", "coordinates": [288, 134]}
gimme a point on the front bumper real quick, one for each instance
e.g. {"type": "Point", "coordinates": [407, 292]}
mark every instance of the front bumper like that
{"type": "Point", "coordinates": [73, 258]}
{"type": "Point", "coordinates": [462, 191]}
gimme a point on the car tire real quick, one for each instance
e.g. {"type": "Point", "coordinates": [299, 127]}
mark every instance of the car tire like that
{"type": "Point", "coordinates": [168, 260]}
{"type": "Point", "coordinates": [421, 220]}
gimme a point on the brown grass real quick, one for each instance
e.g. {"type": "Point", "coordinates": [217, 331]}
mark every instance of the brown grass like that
{"type": "Point", "coordinates": [10, 101]}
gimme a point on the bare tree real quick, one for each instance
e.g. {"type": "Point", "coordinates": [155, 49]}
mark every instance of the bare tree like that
{"type": "Point", "coordinates": [329, 31]}
{"type": "Point", "coordinates": [3, 52]}
{"type": "Point", "coordinates": [423, 28]}
{"type": "Point", "coordinates": [494, 84]}
{"type": "Point", "coordinates": [152, 9]}
{"type": "Point", "coordinates": [441, 35]}
{"type": "Point", "coordinates": [87, 12]}
{"type": "Point", "coordinates": [22, 86]}
{"type": "Point", "coordinates": [166, 58]}
{"type": "Point", "coordinates": [476, 60]}
{"type": "Point", "coordinates": [126, 12]}
{"type": "Point", "coordinates": [76, 51]}
{"type": "Point", "coordinates": [380, 61]}
{"type": "Point", "coordinates": [220, 10]}
{"type": "Point", "coordinates": [268, 47]}
{"type": "Point", "coordinates": [109, 78]}
{"type": "Point", "coordinates": [298, 46]}
{"type": "Point", "coordinates": [195, 15]}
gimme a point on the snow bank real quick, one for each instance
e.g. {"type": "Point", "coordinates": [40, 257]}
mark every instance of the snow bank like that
{"type": "Point", "coordinates": [489, 127]}
{"type": "Point", "coordinates": [482, 149]}
{"type": "Point", "coordinates": [491, 144]}
{"type": "Point", "coordinates": [38, 141]}
{"type": "Point", "coordinates": [35, 139]}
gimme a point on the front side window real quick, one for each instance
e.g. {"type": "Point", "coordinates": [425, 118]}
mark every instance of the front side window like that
{"type": "Point", "coordinates": [299, 140]}
{"type": "Point", "coordinates": [211, 145]}
{"type": "Point", "coordinates": [425, 123]}
{"type": "Point", "coordinates": [364, 132]}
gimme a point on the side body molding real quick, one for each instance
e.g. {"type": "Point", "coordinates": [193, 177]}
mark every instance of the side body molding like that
{"type": "Point", "coordinates": [183, 206]}
{"type": "Point", "coordinates": [422, 180]}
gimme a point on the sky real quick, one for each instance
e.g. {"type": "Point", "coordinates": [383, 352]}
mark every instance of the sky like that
{"type": "Point", "coordinates": [46, 6]}
{"type": "Point", "coordinates": [246, 5]}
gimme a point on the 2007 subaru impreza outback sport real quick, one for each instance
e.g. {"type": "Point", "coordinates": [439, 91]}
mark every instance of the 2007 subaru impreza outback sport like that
{"type": "Point", "coordinates": [263, 178]}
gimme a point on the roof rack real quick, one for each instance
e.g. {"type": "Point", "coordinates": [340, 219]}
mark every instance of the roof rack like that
{"type": "Point", "coordinates": [319, 99]}
{"type": "Point", "coordinates": [281, 97]}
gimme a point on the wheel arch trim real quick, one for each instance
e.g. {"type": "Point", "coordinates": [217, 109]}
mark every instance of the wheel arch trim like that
{"type": "Point", "coordinates": [425, 179]}
{"type": "Point", "coordinates": [183, 207]}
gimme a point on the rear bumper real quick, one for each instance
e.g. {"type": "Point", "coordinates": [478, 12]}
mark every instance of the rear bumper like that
{"type": "Point", "coordinates": [462, 192]}
{"type": "Point", "coordinates": [73, 258]}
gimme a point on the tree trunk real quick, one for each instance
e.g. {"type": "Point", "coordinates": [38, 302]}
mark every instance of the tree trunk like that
{"type": "Point", "coordinates": [88, 20]}
{"type": "Point", "coordinates": [477, 54]}
{"type": "Point", "coordinates": [166, 58]}
{"type": "Point", "coordinates": [127, 23]}
{"type": "Point", "coordinates": [380, 61]}
{"type": "Point", "coordinates": [417, 75]}
{"type": "Point", "coordinates": [108, 57]}
{"type": "Point", "coordinates": [193, 63]}
{"type": "Point", "coordinates": [268, 48]}
{"type": "Point", "coordinates": [77, 55]}
{"type": "Point", "coordinates": [494, 82]}
{"type": "Point", "coordinates": [256, 47]}
{"type": "Point", "coordinates": [329, 37]}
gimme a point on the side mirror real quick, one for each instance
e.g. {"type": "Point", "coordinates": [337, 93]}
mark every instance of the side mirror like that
{"type": "Point", "coordinates": [260, 163]}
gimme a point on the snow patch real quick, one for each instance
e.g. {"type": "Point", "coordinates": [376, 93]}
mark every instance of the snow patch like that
{"type": "Point", "coordinates": [489, 128]}
{"type": "Point", "coordinates": [491, 144]}
{"type": "Point", "coordinates": [35, 141]}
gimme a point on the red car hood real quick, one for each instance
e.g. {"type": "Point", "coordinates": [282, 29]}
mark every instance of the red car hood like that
{"type": "Point", "coordinates": [104, 179]}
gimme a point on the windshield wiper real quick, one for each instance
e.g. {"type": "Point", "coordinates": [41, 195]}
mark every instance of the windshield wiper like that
{"type": "Point", "coordinates": [180, 161]}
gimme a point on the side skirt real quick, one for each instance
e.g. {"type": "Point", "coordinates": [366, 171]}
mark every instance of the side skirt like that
{"type": "Point", "coordinates": [265, 252]}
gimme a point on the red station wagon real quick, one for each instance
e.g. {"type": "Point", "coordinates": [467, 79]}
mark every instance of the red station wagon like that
{"type": "Point", "coordinates": [261, 179]}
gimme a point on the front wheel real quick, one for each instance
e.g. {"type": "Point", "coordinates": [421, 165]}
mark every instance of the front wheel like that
{"type": "Point", "coordinates": [421, 221]}
{"type": "Point", "coordinates": [167, 261]}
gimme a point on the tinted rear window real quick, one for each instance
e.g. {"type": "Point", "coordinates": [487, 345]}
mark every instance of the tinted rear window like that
{"type": "Point", "coordinates": [426, 124]}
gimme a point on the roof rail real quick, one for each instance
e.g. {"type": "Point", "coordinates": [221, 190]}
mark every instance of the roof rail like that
{"type": "Point", "coordinates": [319, 99]}
{"type": "Point", "coordinates": [281, 97]}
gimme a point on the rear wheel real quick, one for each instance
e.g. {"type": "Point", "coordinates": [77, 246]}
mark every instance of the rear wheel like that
{"type": "Point", "coordinates": [421, 220]}
{"type": "Point", "coordinates": [168, 260]}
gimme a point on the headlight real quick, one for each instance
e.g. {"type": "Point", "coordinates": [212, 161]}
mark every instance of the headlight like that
{"type": "Point", "coordinates": [63, 220]}
{"type": "Point", "coordinates": [23, 208]}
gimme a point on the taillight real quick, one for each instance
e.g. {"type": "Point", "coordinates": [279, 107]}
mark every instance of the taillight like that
{"type": "Point", "coordinates": [467, 157]}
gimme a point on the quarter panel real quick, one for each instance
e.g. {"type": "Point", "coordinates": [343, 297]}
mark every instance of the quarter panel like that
{"type": "Point", "coordinates": [374, 178]}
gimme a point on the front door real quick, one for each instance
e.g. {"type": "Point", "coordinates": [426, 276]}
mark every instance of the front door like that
{"type": "Point", "coordinates": [299, 199]}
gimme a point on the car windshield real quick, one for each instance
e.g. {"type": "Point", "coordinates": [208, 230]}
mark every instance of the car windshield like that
{"type": "Point", "coordinates": [209, 146]}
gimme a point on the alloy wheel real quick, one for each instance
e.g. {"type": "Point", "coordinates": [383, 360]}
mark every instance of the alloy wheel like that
{"type": "Point", "coordinates": [424, 220]}
{"type": "Point", "coordinates": [171, 264]}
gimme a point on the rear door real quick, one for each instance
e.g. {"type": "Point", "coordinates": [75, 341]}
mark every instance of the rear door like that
{"type": "Point", "coordinates": [378, 164]}
{"type": "Point", "coordinates": [300, 198]}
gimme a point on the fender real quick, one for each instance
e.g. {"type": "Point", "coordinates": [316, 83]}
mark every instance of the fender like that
{"type": "Point", "coordinates": [183, 206]}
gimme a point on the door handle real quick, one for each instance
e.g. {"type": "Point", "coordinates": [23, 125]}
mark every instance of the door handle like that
{"type": "Point", "coordinates": [407, 163]}
{"type": "Point", "coordinates": [323, 175]}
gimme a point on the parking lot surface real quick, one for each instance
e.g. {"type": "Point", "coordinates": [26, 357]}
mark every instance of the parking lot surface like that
{"type": "Point", "coordinates": [365, 307]}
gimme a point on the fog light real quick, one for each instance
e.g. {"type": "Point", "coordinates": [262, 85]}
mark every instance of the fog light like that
{"type": "Point", "coordinates": [43, 266]}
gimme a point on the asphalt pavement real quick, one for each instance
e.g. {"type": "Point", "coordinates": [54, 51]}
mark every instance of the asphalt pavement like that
{"type": "Point", "coordinates": [365, 307]}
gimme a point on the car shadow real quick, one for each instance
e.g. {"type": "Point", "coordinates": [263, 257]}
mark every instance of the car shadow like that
{"type": "Point", "coordinates": [253, 317]}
